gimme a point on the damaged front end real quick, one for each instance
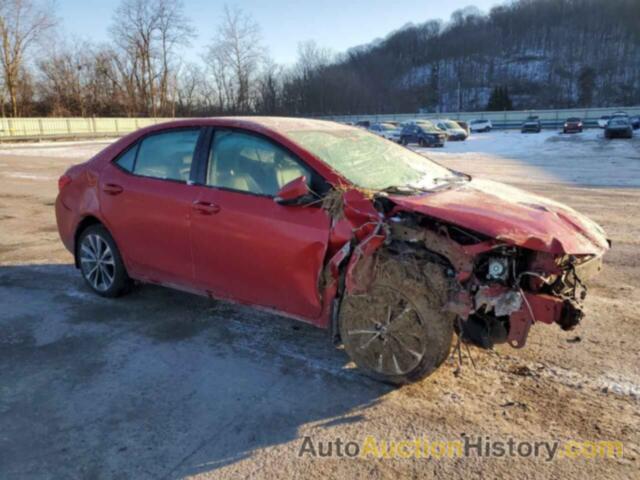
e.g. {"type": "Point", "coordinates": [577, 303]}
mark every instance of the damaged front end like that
{"type": "Point", "coordinates": [497, 288]}
{"type": "Point", "coordinates": [500, 290]}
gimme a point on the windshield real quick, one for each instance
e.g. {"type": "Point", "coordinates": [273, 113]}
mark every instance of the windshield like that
{"type": "Point", "coordinates": [369, 161]}
{"type": "Point", "coordinates": [451, 124]}
{"type": "Point", "coordinates": [387, 126]}
{"type": "Point", "coordinates": [618, 122]}
{"type": "Point", "coordinates": [474, 122]}
{"type": "Point", "coordinates": [427, 126]}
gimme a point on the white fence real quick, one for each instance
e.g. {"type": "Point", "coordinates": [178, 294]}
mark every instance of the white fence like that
{"type": "Point", "coordinates": [49, 127]}
{"type": "Point", "coordinates": [46, 127]}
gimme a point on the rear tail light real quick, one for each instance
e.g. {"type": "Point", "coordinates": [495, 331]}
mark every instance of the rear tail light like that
{"type": "Point", "coordinates": [63, 181]}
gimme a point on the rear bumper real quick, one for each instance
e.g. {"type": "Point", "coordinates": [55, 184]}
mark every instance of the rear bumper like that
{"type": "Point", "coordinates": [65, 219]}
{"type": "Point", "coordinates": [618, 133]}
{"type": "Point", "coordinates": [457, 137]}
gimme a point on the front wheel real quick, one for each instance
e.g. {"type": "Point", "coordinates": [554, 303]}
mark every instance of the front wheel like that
{"type": "Point", "coordinates": [397, 332]}
{"type": "Point", "coordinates": [101, 263]}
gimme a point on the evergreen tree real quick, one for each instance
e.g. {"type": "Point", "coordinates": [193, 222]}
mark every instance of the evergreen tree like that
{"type": "Point", "coordinates": [499, 100]}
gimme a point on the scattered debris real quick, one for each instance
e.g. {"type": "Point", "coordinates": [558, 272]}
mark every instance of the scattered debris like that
{"type": "Point", "coordinates": [522, 371]}
{"type": "Point", "coordinates": [518, 404]}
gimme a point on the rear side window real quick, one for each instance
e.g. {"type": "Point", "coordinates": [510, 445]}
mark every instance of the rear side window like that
{"type": "Point", "coordinates": [165, 155]}
{"type": "Point", "coordinates": [128, 159]}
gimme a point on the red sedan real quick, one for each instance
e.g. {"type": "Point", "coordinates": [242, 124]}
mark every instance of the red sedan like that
{"type": "Point", "coordinates": [334, 226]}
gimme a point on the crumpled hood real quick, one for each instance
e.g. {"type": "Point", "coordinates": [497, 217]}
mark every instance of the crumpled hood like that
{"type": "Point", "coordinates": [510, 215]}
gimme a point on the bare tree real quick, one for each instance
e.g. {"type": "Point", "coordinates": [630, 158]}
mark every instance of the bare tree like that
{"type": "Point", "coordinates": [191, 93]}
{"type": "Point", "coordinates": [235, 57]}
{"type": "Point", "coordinates": [22, 23]}
{"type": "Point", "coordinates": [147, 35]}
{"type": "Point", "coordinates": [269, 89]}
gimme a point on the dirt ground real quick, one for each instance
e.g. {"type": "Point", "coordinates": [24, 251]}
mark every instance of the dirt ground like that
{"type": "Point", "coordinates": [163, 384]}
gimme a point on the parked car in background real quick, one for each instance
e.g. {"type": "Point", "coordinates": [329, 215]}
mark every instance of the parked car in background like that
{"type": "Point", "coordinates": [531, 125]}
{"type": "Point", "coordinates": [618, 127]}
{"type": "Point", "coordinates": [572, 125]}
{"type": "Point", "coordinates": [635, 122]}
{"type": "Point", "coordinates": [363, 124]}
{"type": "Point", "coordinates": [465, 126]}
{"type": "Point", "coordinates": [620, 114]}
{"type": "Point", "coordinates": [386, 130]}
{"type": "Point", "coordinates": [480, 125]}
{"type": "Point", "coordinates": [424, 133]}
{"type": "Point", "coordinates": [452, 129]}
{"type": "Point", "coordinates": [603, 120]}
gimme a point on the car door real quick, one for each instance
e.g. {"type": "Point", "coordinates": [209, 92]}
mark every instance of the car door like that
{"type": "Point", "coordinates": [146, 201]}
{"type": "Point", "coordinates": [412, 134]}
{"type": "Point", "coordinates": [247, 247]}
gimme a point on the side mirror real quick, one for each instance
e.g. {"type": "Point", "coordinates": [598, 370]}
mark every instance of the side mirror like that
{"type": "Point", "coordinates": [296, 192]}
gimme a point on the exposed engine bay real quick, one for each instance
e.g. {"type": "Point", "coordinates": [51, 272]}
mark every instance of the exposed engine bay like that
{"type": "Point", "coordinates": [498, 291]}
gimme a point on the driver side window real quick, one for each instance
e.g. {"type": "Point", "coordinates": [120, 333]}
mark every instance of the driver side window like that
{"type": "Point", "coordinates": [248, 163]}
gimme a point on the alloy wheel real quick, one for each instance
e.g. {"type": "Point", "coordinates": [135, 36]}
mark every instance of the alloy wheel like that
{"type": "Point", "coordinates": [390, 338]}
{"type": "Point", "coordinates": [97, 262]}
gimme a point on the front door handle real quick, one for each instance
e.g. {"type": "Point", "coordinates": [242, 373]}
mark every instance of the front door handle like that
{"type": "Point", "coordinates": [112, 189]}
{"type": "Point", "coordinates": [206, 208]}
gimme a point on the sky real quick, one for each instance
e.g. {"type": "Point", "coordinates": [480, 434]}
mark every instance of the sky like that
{"type": "Point", "coordinates": [337, 25]}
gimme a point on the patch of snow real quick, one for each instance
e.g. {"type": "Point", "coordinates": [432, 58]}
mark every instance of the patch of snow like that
{"type": "Point", "coordinates": [29, 176]}
{"type": "Point", "coordinates": [581, 159]}
{"type": "Point", "coordinates": [79, 149]}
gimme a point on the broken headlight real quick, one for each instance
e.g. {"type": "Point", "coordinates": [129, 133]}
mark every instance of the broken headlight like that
{"type": "Point", "coordinates": [498, 269]}
{"type": "Point", "coordinates": [499, 266]}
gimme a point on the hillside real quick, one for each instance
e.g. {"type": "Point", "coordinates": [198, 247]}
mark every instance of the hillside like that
{"type": "Point", "coordinates": [548, 53]}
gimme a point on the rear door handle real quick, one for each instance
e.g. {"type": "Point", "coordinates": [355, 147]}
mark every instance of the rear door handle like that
{"type": "Point", "coordinates": [112, 189]}
{"type": "Point", "coordinates": [206, 208]}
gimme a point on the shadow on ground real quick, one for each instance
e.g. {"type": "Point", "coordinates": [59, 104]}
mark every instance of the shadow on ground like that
{"type": "Point", "coordinates": [158, 384]}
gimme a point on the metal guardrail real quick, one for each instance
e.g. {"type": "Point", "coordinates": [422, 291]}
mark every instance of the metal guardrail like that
{"type": "Point", "coordinates": [500, 120]}
{"type": "Point", "coordinates": [37, 128]}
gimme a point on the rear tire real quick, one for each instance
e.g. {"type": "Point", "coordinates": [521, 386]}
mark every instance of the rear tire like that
{"type": "Point", "coordinates": [397, 331]}
{"type": "Point", "coordinates": [101, 264]}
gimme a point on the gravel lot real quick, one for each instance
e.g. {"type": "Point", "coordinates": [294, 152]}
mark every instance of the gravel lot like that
{"type": "Point", "coordinates": [162, 384]}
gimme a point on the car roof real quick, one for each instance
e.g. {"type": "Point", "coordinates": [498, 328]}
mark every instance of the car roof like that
{"type": "Point", "coordinates": [281, 125]}
{"type": "Point", "coordinates": [620, 119]}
